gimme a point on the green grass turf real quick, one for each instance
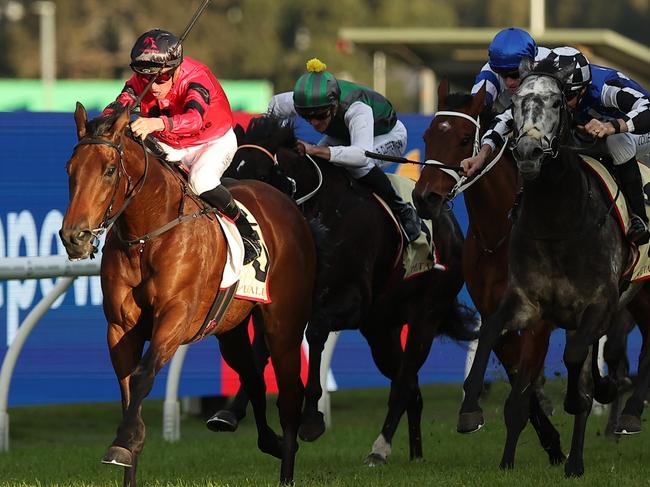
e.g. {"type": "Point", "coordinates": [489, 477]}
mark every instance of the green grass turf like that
{"type": "Point", "coordinates": [62, 445]}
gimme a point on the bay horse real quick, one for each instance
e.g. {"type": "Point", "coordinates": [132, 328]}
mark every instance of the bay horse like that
{"type": "Point", "coordinates": [162, 265]}
{"type": "Point", "coordinates": [566, 260]}
{"type": "Point", "coordinates": [359, 281]}
{"type": "Point", "coordinates": [452, 136]}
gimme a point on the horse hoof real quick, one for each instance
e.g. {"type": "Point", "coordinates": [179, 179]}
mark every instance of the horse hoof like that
{"type": "Point", "coordinates": [573, 471]}
{"type": "Point", "coordinates": [470, 422]}
{"type": "Point", "coordinates": [117, 455]}
{"type": "Point", "coordinates": [222, 420]}
{"type": "Point", "coordinates": [374, 460]}
{"type": "Point", "coordinates": [578, 405]}
{"type": "Point", "coordinates": [628, 425]}
{"type": "Point", "coordinates": [556, 457]}
{"type": "Point", "coordinates": [312, 427]}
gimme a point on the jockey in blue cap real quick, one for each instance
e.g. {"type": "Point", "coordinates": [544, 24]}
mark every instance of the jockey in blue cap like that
{"type": "Point", "coordinates": [501, 73]}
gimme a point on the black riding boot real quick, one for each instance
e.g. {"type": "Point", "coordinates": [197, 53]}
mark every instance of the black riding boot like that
{"type": "Point", "coordinates": [221, 199]}
{"type": "Point", "coordinates": [378, 182]}
{"type": "Point", "coordinates": [630, 178]}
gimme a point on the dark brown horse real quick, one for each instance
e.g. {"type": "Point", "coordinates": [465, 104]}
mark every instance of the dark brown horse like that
{"type": "Point", "coordinates": [451, 137]}
{"type": "Point", "coordinates": [160, 287]}
{"type": "Point", "coordinates": [360, 280]}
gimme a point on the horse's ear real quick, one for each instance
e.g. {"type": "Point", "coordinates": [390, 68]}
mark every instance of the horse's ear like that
{"type": "Point", "coordinates": [443, 91]}
{"type": "Point", "coordinates": [525, 67]}
{"type": "Point", "coordinates": [239, 133]}
{"type": "Point", "coordinates": [479, 99]}
{"type": "Point", "coordinates": [80, 118]}
{"type": "Point", "coordinates": [120, 123]}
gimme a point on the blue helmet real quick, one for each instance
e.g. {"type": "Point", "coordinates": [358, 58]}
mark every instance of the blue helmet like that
{"type": "Point", "coordinates": [509, 47]}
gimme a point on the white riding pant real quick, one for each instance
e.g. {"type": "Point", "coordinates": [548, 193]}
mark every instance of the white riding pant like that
{"type": "Point", "coordinates": [206, 162]}
{"type": "Point", "coordinates": [391, 144]}
{"type": "Point", "coordinates": [623, 147]}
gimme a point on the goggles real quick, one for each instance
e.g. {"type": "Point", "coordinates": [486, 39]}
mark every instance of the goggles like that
{"type": "Point", "coordinates": [314, 113]}
{"type": "Point", "coordinates": [507, 72]}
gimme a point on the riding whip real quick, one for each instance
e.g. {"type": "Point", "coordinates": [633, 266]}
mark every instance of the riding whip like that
{"type": "Point", "coordinates": [404, 160]}
{"type": "Point", "coordinates": [186, 32]}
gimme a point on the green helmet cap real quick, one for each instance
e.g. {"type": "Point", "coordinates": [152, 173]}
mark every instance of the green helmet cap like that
{"type": "Point", "coordinates": [317, 88]}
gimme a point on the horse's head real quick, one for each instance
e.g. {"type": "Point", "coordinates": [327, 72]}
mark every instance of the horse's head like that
{"type": "Point", "coordinates": [540, 115]}
{"type": "Point", "coordinates": [451, 137]}
{"type": "Point", "coordinates": [95, 173]}
{"type": "Point", "coordinates": [267, 139]}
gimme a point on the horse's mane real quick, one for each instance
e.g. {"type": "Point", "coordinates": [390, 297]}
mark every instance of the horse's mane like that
{"type": "Point", "coordinates": [546, 66]}
{"type": "Point", "coordinates": [102, 124]}
{"type": "Point", "coordinates": [274, 130]}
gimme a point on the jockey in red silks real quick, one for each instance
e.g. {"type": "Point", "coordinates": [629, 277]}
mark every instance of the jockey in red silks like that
{"type": "Point", "coordinates": [188, 113]}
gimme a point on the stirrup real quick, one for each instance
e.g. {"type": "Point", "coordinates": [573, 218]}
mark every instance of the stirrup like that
{"type": "Point", "coordinates": [638, 233]}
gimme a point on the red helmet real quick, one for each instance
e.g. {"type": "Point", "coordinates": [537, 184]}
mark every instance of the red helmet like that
{"type": "Point", "coordinates": [153, 50]}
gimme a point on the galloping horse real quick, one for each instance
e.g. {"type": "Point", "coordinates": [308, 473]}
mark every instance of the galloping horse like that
{"type": "Point", "coordinates": [452, 136]}
{"type": "Point", "coordinates": [359, 282]}
{"type": "Point", "coordinates": [162, 265]}
{"type": "Point", "coordinates": [566, 261]}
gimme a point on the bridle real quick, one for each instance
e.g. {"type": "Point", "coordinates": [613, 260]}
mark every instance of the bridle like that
{"type": "Point", "coordinates": [550, 147]}
{"type": "Point", "coordinates": [130, 192]}
{"type": "Point", "coordinates": [462, 181]}
{"type": "Point", "coordinates": [292, 181]}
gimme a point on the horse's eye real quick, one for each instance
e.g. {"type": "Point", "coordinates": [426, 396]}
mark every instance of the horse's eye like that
{"type": "Point", "coordinates": [465, 140]}
{"type": "Point", "coordinates": [110, 170]}
{"type": "Point", "coordinates": [557, 104]}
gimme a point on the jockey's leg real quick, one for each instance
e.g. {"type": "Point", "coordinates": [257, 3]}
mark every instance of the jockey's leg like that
{"type": "Point", "coordinates": [623, 148]}
{"type": "Point", "coordinates": [377, 181]}
{"type": "Point", "coordinates": [221, 199]}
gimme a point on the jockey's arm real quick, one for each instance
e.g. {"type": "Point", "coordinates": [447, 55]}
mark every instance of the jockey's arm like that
{"type": "Point", "coordinates": [361, 124]}
{"type": "Point", "coordinates": [634, 104]}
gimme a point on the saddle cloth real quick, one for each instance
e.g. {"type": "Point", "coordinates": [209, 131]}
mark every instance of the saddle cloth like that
{"type": "Point", "coordinates": [420, 255]}
{"type": "Point", "coordinates": [640, 268]}
{"type": "Point", "coordinates": [252, 278]}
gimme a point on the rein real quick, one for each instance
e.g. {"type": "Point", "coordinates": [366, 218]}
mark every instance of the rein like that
{"type": "Point", "coordinates": [294, 185]}
{"type": "Point", "coordinates": [107, 221]}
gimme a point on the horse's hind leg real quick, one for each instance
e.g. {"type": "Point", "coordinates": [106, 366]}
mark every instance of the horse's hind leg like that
{"type": "Point", "coordinates": [228, 419]}
{"type": "Point", "coordinates": [285, 351]}
{"type": "Point", "coordinates": [237, 351]}
{"type": "Point", "coordinates": [387, 353]}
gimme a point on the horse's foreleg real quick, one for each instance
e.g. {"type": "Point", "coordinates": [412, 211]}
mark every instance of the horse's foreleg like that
{"type": "Point", "coordinates": [312, 423]}
{"type": "Point", "coordinates": [470, 417]}
{"type": "Point", "coordinates": [237, 351]}
{"type": "Point", "coordinates": [574, 466]}
{"type": "Point", "coordinates": [125, 351]}
{"type": "Point", "coordinates": [285, 355]}
{"type": "Point", "coordinates": [517, 409]}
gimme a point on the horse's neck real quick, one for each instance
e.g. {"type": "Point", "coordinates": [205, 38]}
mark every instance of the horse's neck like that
{"type": "Point", "coordinates": [491, 198]}
{"type": "Point", "coordinates": [559, 196]}
{"type": "Point", "coordinates": [159, 199]}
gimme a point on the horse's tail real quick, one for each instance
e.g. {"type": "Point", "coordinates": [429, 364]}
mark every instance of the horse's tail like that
{"type": "Point", "coordinates": [460, 322]}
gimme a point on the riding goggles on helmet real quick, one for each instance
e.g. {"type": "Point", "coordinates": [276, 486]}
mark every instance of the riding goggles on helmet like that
{"type": "Point", "coordinates": [314, 113]}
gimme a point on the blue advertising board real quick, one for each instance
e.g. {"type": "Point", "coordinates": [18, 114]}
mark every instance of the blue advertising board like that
{"type": "Point", "coordinates": [66, 359]}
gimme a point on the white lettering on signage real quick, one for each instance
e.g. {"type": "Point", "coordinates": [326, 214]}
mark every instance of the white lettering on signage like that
{"type": "Point", "coordinates": [22, 238]}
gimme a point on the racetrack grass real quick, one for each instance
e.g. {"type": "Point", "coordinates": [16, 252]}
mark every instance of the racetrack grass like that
{"type": "Point", "coordinates": [62, 445]}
